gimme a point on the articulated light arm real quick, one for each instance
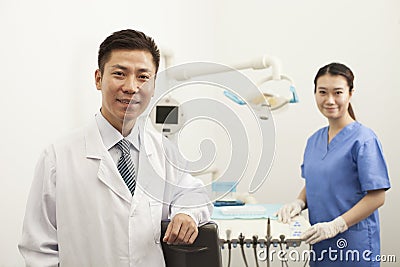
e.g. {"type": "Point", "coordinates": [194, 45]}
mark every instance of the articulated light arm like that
{"type": "Point", "coordinates": [264, 62]}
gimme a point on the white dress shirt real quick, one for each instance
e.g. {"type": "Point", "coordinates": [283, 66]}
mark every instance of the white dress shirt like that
{"type": "Point", "coordinates": [112, 136]}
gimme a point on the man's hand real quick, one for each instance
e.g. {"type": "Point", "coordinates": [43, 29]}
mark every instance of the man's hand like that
{"type": "Point", "coordinates": [181, 230]}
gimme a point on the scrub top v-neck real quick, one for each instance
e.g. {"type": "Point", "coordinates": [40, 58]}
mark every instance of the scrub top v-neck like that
{"type": "Point", "coordinates": [338, 174]}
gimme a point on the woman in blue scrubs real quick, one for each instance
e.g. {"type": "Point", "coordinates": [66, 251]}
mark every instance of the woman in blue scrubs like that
{"type": "Point", "coordinates": [345, 179]}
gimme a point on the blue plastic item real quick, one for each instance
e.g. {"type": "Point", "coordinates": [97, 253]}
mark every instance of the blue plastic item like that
{"type": "Point", "coordinates": [234, 98]}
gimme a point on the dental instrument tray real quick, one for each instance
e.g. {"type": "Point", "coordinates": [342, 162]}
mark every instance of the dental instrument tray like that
{"type": "Point", "coordinates": [247, 211]}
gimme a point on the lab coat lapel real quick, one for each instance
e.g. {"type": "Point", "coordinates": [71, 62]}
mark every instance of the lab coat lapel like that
{"type": "Point", "coordinates": [151, 172]}
{"type": "Point", "coordinates": [107, 171]}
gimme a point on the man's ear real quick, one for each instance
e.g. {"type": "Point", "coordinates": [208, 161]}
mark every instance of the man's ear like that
{"type": "Point", "coordinates": [154, 85]}
{"type": "Point", "coordinates": [97, 78]}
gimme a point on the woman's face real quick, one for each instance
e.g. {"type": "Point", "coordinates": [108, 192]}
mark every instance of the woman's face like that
{"type": "Point", "coordinates": [332, 96]}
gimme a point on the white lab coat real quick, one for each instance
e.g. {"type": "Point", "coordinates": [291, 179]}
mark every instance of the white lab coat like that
{"type": "Point", "coordinates": [80, 213]}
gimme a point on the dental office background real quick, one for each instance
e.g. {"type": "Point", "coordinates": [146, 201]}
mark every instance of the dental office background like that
{"type": "Point", "coordinates": [49, 55]}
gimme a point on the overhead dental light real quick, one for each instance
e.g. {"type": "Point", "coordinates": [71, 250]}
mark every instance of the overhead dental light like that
{"type": "Point", "coordinates": [274, 101]}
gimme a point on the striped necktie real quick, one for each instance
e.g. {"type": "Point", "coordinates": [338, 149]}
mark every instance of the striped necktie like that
{"type": "Point", "coordinates": [125, 165]}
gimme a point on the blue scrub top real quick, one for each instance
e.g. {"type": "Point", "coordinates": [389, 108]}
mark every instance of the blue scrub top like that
{"type": "Point", "coordinates": [338, 175]}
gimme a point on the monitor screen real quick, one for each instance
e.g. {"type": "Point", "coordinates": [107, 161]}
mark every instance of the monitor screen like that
{"type": "Point", "coordinates": [167, 114]}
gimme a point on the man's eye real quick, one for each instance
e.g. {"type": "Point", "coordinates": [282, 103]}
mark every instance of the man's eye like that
{"type": "Point", "coordinates": [339, 92]}
{"type": "Point", "coordinates": [144, 77]}
{"type": "Point", "coordinates": [118, 73]}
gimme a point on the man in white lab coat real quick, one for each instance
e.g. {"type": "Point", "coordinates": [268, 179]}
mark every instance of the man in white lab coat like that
{"type": "Point", "coordinates": [80, 211]}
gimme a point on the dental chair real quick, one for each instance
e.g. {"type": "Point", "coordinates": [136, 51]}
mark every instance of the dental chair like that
{"type": "Point", "coordinates": [205, 251]}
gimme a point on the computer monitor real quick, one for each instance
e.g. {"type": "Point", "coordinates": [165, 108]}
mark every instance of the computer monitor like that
{"type": "Point", "coordinates": [205, 251]}
{"type": "Point", "coordinates": [167, 116]}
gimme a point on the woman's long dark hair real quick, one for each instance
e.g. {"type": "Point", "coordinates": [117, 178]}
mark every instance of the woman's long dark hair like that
{"type": "Point", "coordinates": [337, 69]}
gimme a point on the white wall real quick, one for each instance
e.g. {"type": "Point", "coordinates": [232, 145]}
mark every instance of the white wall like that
{"type": "Point", "coordinates": [48, 57]}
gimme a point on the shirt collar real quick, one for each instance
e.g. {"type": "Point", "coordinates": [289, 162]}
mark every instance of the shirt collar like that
{"type": "Point", "coordinates": [112, 136]}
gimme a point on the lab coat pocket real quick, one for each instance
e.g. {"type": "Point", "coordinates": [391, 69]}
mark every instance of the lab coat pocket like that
{"type": "Point", "coordinates": [156, 212]}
